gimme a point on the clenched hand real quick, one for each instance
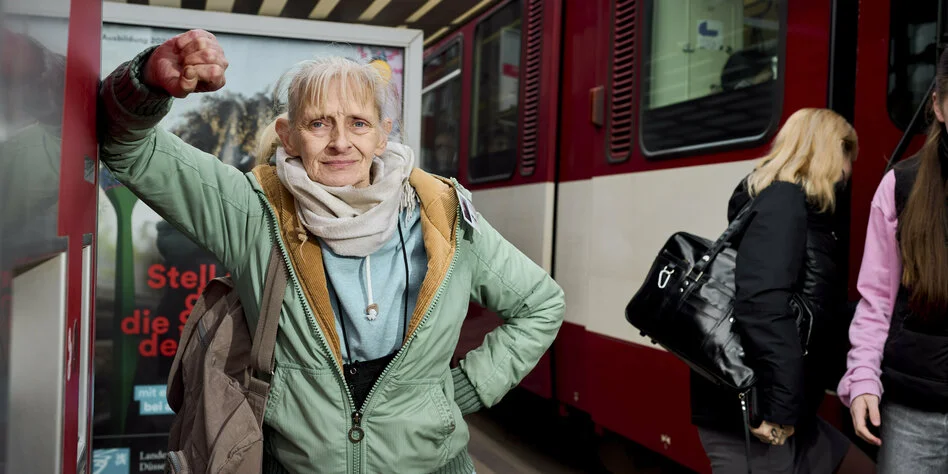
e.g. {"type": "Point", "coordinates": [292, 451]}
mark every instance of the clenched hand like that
{"type": "Point", "coordinates": [190, 62]}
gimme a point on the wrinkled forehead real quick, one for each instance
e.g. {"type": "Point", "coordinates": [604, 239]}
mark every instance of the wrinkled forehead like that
{"type": "Point", "coordinates": [338, 97]}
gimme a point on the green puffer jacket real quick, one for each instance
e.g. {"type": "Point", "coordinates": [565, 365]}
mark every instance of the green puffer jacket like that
{"type": "Point", "coordinates": [413, 418]}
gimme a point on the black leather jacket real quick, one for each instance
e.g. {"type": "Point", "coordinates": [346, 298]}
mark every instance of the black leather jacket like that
{"type": "Point", "coordinates": [789, 247]}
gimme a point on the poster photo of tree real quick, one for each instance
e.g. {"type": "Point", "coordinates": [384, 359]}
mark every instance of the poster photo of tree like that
{"type": "Point", "coordinates": [148, 274]}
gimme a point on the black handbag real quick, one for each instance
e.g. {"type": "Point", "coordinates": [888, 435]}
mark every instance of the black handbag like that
{"type": "Point", "coordinates": [686, 305]}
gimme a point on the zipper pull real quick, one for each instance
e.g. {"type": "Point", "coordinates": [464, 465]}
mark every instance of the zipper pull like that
{"type": "Point", "coordinates": [355, 433]}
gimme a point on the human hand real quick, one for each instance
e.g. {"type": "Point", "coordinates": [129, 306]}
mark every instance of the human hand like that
{"type": "Point", "coordinates": [190, 62]}
{"type": "Point", "coordinates": [773, 434]}
{"type": "Point", "coordinates": [863, 406]}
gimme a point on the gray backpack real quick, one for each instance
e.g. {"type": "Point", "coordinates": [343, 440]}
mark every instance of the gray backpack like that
{"type": "Point", "coordinates": [217, 399]}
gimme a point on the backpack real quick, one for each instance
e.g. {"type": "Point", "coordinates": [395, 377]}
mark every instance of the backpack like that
{"type": "Point", "coordinates": [212, 388]}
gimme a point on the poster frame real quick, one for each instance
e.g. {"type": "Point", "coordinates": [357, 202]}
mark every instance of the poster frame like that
{"type": "Point", "coordinates": [410, 40]}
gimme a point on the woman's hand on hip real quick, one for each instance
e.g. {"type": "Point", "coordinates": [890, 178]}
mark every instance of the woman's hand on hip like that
{"type": "Point", "coordinates": [773, 434]}
{"type": "Point", "coordinates": [190, 62]}
{"type": "Point", "coordinates": [863, 406]}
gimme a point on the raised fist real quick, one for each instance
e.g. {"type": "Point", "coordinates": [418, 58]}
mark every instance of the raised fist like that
{"type": "Point", "coordinates": [190, 62]}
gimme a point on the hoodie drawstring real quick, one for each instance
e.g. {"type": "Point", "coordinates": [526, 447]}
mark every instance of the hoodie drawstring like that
{"type": "Point", "coordinates": [371, 309]}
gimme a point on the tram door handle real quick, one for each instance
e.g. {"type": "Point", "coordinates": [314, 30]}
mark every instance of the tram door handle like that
{"type": "Point", "coordinates": [597, 109]}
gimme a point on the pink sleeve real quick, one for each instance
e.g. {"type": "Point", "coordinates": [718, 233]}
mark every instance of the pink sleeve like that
{"type": "Point", "coordinates": [879, 278]}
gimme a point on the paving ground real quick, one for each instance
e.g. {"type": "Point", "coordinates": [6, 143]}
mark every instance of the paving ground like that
{"type": "Point", "coordinates": [523, 435]}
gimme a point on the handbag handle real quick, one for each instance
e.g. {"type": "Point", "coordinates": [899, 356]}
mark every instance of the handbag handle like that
{"type": "Point", "coordinates": [736, 226]}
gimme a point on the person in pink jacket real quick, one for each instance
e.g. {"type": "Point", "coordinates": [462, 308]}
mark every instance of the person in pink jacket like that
{"type": "Point", "coordinates": [899, 334]}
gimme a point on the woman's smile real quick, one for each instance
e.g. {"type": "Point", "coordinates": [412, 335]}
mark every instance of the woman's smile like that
{"type": "Point", "coordinates": [338, 165]}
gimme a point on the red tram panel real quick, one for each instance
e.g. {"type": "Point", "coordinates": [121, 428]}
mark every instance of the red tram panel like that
{"type": "Point", "coordinates": [595, 55]}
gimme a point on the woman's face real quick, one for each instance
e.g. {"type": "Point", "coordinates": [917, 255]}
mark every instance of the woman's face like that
{"type": "Point", "coordinates": [849, 150]}
{"type": "Point", "coordinates": [850, 146]}
{"type": "Point", "coordinates": [940, 107]}
{"type": "Point", "coordinates": [847, 170]}
{"type": "Point", "coordinates": [337, 141]}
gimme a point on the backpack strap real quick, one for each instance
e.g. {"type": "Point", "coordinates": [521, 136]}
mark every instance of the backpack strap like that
{"type": "Point", "coordinates": [213, 295]}
{"type": "Point", "coordinates": [271, 304]}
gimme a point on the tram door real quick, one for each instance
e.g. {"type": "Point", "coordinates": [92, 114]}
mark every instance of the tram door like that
{"type": "Point", "coordinates": [49, 61]}
{"type": "Point", "coordinates": [889, 87]}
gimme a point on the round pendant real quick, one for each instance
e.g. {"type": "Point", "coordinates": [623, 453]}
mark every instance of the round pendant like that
{"type": "Point", "coordinates": [356, 434]}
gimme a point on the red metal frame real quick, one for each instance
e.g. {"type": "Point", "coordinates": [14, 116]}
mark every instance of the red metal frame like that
{"type": "Point", "coordinates": [77, 206]}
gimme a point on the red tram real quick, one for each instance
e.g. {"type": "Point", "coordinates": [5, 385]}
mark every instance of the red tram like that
{"type": "Point", "coordinates": [590, 130]}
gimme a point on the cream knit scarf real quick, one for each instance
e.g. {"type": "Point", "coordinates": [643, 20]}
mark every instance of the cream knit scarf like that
{"type": "Point", "coordinates": [353, 222]}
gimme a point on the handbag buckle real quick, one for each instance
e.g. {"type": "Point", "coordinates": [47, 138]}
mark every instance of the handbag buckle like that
{"type": "Point", "coordinates": [664, 276]}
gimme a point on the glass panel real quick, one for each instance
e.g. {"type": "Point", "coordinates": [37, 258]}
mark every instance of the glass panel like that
{"type": "Point", "coordinates": [442, 64]}
{"type": "Point", "coordinates": [912, 57]}
{"type": "Point", "coordinates": [85, 340]}
{"type": "Point", "coordinates": [36, 375]}
{"type": "Point", "coordinates": [496, 112]}
{"type": "Point", "coordinates": [710, 72]}
{"type": "Point", "coordinates": [441, 112]}
{"type": "Point", "coordinates": [32, 87]}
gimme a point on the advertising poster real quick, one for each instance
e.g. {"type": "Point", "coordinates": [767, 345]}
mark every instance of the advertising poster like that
{"type": "Point", "coordinates": [149, 274]}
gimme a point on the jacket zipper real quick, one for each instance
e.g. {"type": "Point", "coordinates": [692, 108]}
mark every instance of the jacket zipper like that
{"type": "Point", "coordinates": [356, 434]}
{"type": "Point", "coordinates": [434, 301]}
{"type": "Point", "coordinates": [175, 463]}
{"type": "Point", "coordinates": [312, 322]}
{"type": "Point", "coordinates": [358, 415]}
{"type": "Point", "coordinates": [411, 337]}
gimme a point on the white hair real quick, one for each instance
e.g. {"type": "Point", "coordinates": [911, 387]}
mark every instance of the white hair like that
{"type": "Point", "coordinates": [311, 81]}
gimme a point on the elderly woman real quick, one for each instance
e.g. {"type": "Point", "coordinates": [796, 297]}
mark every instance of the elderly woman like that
{"type": "Point", "coordinates": [383, 263]}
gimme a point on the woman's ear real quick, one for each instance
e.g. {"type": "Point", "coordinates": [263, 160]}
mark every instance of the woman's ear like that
{"type": "Point", "coordinates": [386, 126]}
{"type": "Point", "coordinates": [937, 106]}
{"type": "Point", "coordinates": [284, 130]}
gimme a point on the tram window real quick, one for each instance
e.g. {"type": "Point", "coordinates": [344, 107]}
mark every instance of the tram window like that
{"type": "Point", "coordinates": [711, 73]}
{"type": "Point", "coordinates": [496, 95]}
{"type": "Point", "coordinates": [441, 112]}
{"type": "Point", "coordinates": [912, 57]}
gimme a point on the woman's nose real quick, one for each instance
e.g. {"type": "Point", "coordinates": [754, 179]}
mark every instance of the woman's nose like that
{"type": "Point", "coordinates": [340, 139]}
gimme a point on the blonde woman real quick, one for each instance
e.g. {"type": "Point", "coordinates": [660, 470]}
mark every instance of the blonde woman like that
{"type": "Point", "coordinates": [383, 266]}
{"type": "Point", "coordinates": [788, 247]}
